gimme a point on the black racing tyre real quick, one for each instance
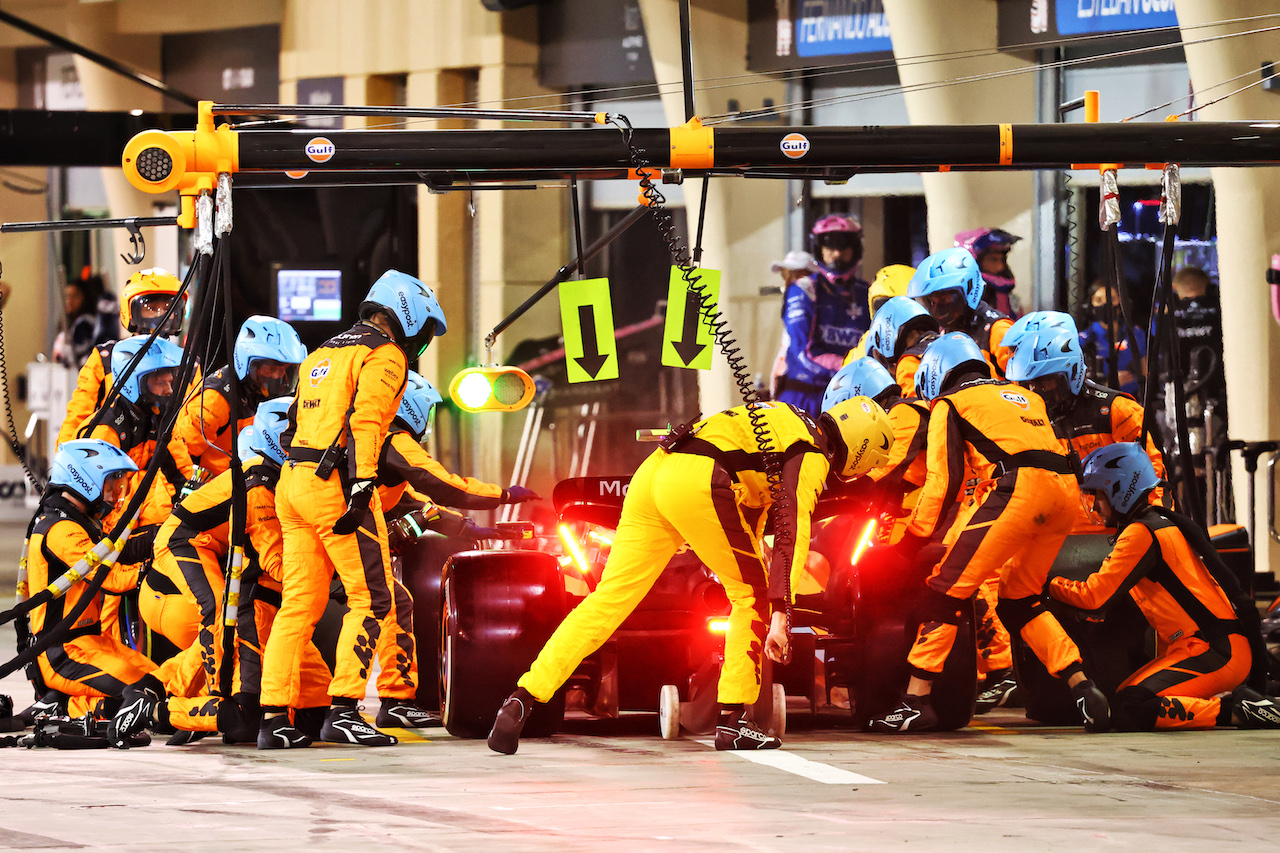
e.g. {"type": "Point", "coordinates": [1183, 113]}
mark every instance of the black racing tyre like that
{"type": "Point", "coordinates": [498, 609]}
{"type": "Point", "coordinates": [886, 593]}
{"type": "Point", "coordinates": [421, 567]}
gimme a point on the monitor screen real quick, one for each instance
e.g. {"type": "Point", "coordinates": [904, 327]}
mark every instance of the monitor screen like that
{"type": "Point", "coordinates": [309, 295]}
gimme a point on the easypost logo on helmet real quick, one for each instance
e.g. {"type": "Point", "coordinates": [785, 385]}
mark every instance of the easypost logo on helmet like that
{"type": "Point", "coordinates": [794, 146]}
{"type": "Point", "coordinates": [319, 372]}
{"type": "Point", "coordinates": [80, 480]}
{"type": "Point", "coordinates": [320, 150]}
{"type": "Point", "coordinates": [406, 311]}
{"type": "Point", "coordinates": [1019, 400]}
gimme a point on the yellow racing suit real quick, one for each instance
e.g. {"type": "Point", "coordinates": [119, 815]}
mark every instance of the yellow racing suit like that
{"type": "Point", "coordinates": [710, 491]}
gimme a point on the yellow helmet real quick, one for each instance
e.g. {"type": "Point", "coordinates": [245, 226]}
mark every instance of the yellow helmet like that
{"type": "Point", "coordinates": [140, 287]}
{"type": "Point", "coordinates": [865, 436]}
{"type": "Point", "coordinates": [891, 281]}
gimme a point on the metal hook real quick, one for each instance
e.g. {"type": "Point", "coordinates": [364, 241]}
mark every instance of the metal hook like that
{"type": "Point", "coordinates": [139, 244]}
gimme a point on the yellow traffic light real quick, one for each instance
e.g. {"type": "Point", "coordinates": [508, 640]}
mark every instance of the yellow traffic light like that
{"type": "Point", "coordinates": [491, 389]}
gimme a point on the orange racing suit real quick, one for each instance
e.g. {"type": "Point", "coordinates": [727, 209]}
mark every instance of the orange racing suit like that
{"type": "Point", "coordinates": [203, 423]}
{"type": "Point", "coordinates": [1201, 650]}
{"type": "Point", "coordinates": [1100, 416]}
{"type": "Point", "coordinates": [182, 595]}
{"type": "Point", "coordinates": [1013, 526]}
{"type": "Point", "coordinates": [710, 491]}
{"type": "Point", "coordinates": [92, 386]}
{"type": "Point", "coordinates": [347, 397]}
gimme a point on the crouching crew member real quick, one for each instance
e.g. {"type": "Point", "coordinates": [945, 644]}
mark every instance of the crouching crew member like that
{"type": "Point", "coordinates": [950, 285]}
{"type": "Point", "coordinates": [146, 299]}
{"type": "Point", "coordinates": [1020, 514]}
{"type": "Point", "coordinates": [706, 487]}
{"type": "Point", "coordinates": [899, 335]}
{"type": "Point", "coordinates": [1051, 363]}
{"type": "Point", "coordinates": [267, 354]}
{"type": "Point", "coordinates": [349, 394]}
{"type": "Point", "coordinates": [1203, 648]}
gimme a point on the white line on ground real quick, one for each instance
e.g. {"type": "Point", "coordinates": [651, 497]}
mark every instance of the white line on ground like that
{"type": "Point", "coordinates": [780, 759]}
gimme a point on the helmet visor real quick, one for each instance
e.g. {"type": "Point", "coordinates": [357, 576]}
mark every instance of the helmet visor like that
{"type": "Point", "coordinates": [115, 487]}
{"type": "Point", "coordinates": [1053, 389]}
{"type": "Point", "coordinates": [273, 378]}
{"type": "Point", "coordinates": [146, 312]}
{"type": "Point", "coordinates": [945, 306]}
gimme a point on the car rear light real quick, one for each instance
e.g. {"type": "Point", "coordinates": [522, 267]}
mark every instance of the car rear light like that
{"type": "Point", "coordinates": [575, 550]}
{"type": "Point", "coordinates": [719, 625]}
{"type": "Point", "coordinates": [864, 542]}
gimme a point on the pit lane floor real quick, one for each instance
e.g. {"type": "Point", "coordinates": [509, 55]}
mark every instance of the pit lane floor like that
{"type": "Point", "coordinates": [616, 786]}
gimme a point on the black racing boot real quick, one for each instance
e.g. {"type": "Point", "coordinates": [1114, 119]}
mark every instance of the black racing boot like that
{"type": "Point", "coordinates": [278, 733]}
{"type": "Point", "coordinates": [1094, 710]}
{"type": "Point", "coordinates": [504, 737]}
{"type": "Point", "coordinates": [995, 691]}
{"type": "Point", "coordinates": [345, 725]}
{"type": "Point", "coordinates": [913, 714]}
{"type": "Point", "coordinates": [310, 721]}
{"type": "Point", "coordinates": [240, 718]}
{"type": "Point", "coordinates": [405, 714]}
{"type": "Point", "coordinates": [736, 730]}
{"type": "Point", "coordinates": [183, 738]}
{"type": "Point", "coordinates": [138, 703]}
{"type": "Point", "coordinates": [1253, 710]}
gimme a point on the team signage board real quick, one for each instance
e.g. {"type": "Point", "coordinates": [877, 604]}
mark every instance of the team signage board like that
{"type": "Point", "coordinates": [687, 339]}
{"type": "Point", "coordinates": [586, 315]}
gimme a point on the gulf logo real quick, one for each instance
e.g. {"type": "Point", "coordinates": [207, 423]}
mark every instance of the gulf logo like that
{"type": "Point", "coordinates": [794, 145]}
{"type": "Point", "coordinates": [320, 150]}
{"type": "Point", "coordinates": [1019, 400]}
{"type": "Point", "coordinates": [319, 372]}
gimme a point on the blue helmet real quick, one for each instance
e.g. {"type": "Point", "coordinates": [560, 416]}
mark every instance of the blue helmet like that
{"type": "Point", "coordinates": [892, 321]}
{"type": "Point", "coordinates": [416, 315]}
{"type": "Point", "coordinates": [274, 340]}
{"type": "Point", "coordinates": [160, 355]}
{"type": "Point", "coordinates": [944, 356]}
{"type": "Point", "coordinates": [949, 269]}
{"type": "Point", "coordinates": [83, 467]}
{"type": "Point", "coordinates": [1122, 472]}
{"type": "Point", "coordinates": [244, 443]}
{"type": "Point", "coordinates": [269, 422]}
{"type": "Point", "coordinates": [1036, 321]}
{"type": "Point", "coordinates": [865, 377]}
{"type": "Point", "coordinates": [417, 406]}
{"type": "Point", "coordinates": [1048, 353]}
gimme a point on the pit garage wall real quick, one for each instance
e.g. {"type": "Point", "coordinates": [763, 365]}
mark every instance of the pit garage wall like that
{"type": "Point", "coordinates": [1248, 214]}
{"type": "Point", "coordinates": [450, 52]}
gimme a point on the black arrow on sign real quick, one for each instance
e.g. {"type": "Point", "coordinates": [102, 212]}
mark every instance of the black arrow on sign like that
{"type": "Point", "coordinates": [688, 347]}
{"type": "Point", "coordinates": [591, 360]}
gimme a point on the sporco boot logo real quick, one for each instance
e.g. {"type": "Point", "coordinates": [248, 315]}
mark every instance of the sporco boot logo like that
{"type": "Point", "coordinates": [320, 150]}
{"type": "Point", "coordinates": [794, 146]}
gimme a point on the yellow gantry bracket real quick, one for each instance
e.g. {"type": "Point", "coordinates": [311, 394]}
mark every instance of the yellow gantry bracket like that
{"type": "Point", "coordinates": [693, 146]}
{"type": "Point", "coordinates": [158, 161]}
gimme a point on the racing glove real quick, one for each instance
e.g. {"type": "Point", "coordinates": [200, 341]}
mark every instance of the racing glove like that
{"type": "Point", "coordinates": [519, 495]}
{"type": "Point", "coordinates": [357, 506]}
{"type": "Point", "coordinates": [471, 530]}
{"type": "Point", "coordinates": [139, 546]}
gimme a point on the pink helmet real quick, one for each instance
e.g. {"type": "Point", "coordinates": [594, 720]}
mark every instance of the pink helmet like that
{"type": "Point", "coordinates": [836, 231]}
{"type": "Point", "coordinates": [979, 242]}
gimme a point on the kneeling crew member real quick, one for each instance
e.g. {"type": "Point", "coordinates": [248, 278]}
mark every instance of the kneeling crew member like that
{"type": "Point", "coordinates": [343, 409]}
{"type": "Point", "coordinates": [1203, 648]}
{"type": "Point", "coordinates": [702, 487]}
{"type": "Point", "coordinates": [1020, 514]}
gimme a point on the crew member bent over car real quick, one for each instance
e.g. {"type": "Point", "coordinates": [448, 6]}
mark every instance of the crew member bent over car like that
{"type": "Point", "coordinates": [1203, 647]}
{"type": "Point", "coordinates": [1022, 510]}
{"type": "Point", "coordinates": [707, 486]}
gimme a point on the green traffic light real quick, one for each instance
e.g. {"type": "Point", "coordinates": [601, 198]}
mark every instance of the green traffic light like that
{"type": "Point", "coordinates": [474, 390]}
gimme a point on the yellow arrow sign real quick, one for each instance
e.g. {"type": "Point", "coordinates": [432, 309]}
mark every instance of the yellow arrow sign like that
{"type": "Point", "coordinates": [687, 339]}
{"type": "Point", "coordinates": [586, 315]}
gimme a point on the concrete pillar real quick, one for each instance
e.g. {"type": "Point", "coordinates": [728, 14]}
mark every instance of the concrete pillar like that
{"type": "Point", "coordinates": [959, 201]}
{"type": "Point", "coordinates": [1248, 217]}
{"type": "Point", "coordinates": [95, 26]}
{"type": "Point", "coordinates": [745, 220]}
